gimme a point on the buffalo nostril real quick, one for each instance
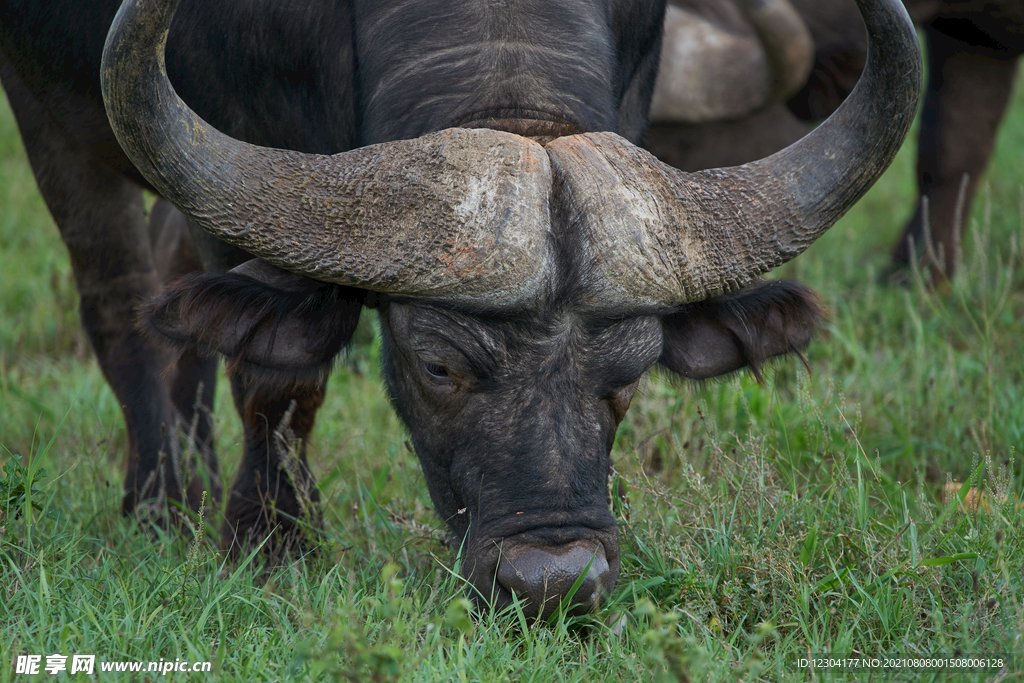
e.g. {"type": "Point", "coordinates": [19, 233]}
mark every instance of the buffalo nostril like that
{"type": "Point", "coordinates": [544, 576]}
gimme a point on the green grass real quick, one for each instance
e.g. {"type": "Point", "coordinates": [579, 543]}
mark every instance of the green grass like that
{"type": "Point", "coordinates": [760, 523]}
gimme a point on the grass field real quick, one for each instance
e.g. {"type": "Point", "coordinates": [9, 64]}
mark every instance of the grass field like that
{"type": "Point", "coordinates": [761, 524]}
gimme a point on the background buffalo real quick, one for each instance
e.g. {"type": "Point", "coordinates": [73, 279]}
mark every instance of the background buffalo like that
{"type": "Point", "coordinates": [972, 50]}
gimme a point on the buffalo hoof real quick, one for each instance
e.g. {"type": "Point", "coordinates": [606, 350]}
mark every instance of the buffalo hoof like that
{"type": "Point", "coordinates": [164, 505]}
{"type": "Point", "coordinates": [282, 527]}
{"type": "Point", "coordinates": [903, 274]}
{"type": "Point", "coordinates": [279, 539]}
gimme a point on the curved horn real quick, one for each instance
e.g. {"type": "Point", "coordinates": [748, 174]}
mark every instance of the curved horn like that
{"type": "Point", "coordinates": [459, 214]}
{"type": "Point", "coordinates": [709, 74]}
{"type": "Point", "coordinates": [663, 236]}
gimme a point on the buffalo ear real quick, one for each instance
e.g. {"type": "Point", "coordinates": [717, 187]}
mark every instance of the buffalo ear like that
{"type": "Point", "coordinates": [289, 326]}
{"type": "Point", "coordinates": [745, 328]}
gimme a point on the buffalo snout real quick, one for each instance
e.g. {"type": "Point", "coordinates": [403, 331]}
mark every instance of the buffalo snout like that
{"type": "Point", "coordinates": [544, 577]}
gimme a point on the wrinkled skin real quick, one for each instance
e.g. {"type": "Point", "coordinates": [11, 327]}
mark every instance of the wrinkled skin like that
{"type": "Point", "coordinates": [973, 48]}
{"type": "Point", "coordinates": [516, 430]}
{"type": "Point", "coordinates": [513, 416]}
{"type": "Point", "coordinates": [300, 98]}
{"type": "Point", "coordinates": [512, 410]}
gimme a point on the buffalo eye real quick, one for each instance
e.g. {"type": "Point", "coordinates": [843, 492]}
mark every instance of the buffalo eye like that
{"type": "Point", "coordinates": [438, 373]}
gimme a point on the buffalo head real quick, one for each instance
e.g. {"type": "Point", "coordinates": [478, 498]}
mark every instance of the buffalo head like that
{"type": "Point", "coordinates": [528, 266]}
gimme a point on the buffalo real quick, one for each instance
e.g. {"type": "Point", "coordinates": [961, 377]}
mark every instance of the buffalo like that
{"type": "Point", "coordinates": [470, 171]}
{"type": "Point", "coordinates": [973, 49]}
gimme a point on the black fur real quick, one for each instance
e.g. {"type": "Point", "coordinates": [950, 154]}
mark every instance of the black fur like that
{"type": "Point", "coordinates": [281, 336]}
{"type": "Point", "coordinates": [743, 329]}
{"type": "Point", "coordinates": [512, 416]}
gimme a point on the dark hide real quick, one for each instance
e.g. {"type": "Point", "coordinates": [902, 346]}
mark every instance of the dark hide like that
{"type": "Point", "coordinates": [584, 66]}
{"type": "Point", "coordinates": [300, 98]}
{"type": "Point", "coordinates": [281, 341]}
{"type": "Point", "coordinates": [692, 147]}
{"type": "Point", "coordinates": [274, 493]}
{"type": "Point", "coordinates": [282, 76]}
{"type": "Point", "coordinates": [513, 416]}
{"type": "Point", "coordinates": [973, 49]}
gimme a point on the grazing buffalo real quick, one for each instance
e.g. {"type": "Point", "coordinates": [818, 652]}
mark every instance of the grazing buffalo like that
{"type": "Point", "coordinates": [973, 48]}
{"type": "Point", "coordinates": [468, 169]}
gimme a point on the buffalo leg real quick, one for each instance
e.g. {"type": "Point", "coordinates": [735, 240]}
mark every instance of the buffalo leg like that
{"type": "Point", "coordinates": [192, 379]}
{"type": "Point", "coordinates": [101, 218]}
{"type": "Point", "coordinates": [274, 494]}
{"type": "Point", "coordinates": [968, 91]}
